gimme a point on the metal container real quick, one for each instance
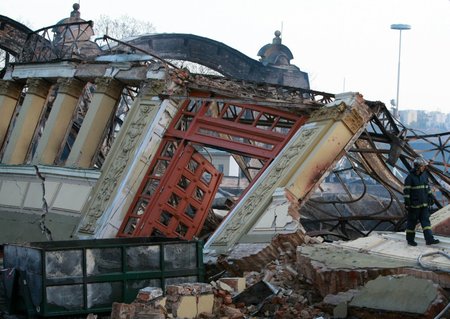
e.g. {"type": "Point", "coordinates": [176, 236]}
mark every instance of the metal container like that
{"type": "Point", "coordinates": [86, 276]}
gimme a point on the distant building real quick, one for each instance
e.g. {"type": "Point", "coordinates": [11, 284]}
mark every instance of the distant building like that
{"type": "Point", "coordinates": [438, 118]}
{"type": "Point", "coordinates": [408, 117]}
{"type": "Point", "coordinates": [424, 120]}
{"type": "Point", "coordinates": [223, 162]}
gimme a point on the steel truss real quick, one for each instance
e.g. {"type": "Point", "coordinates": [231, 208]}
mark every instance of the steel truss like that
{"type": "Point", "coordinates": [364, 193]}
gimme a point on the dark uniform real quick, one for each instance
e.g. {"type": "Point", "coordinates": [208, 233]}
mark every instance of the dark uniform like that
{"type": "Point", "coordinates": [418, 198]}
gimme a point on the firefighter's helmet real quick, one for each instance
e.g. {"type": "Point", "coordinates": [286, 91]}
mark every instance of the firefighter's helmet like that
{"type": "Point", "coordinates": [420, 161]}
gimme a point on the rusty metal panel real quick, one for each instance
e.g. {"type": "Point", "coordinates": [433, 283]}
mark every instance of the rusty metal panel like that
{"type": "Point", "coordinates": [257, 131]}
{"type": "Point", "coordinates": [175, 198]}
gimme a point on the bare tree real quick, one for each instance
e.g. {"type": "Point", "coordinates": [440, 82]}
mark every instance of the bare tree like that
{"type": "Point", "coordinates": [5, 59]}
{"type": "Point", "coordinates": [194, 67]}
{"type": "Point", "coordinates": [2, 58]}
{"type": "Point", "coordinates": [122, 27]}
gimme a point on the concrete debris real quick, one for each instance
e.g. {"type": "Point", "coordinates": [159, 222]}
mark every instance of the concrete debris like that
{"type": "Point", "coordinates": [440, 221]}
{"type": "Point", "coordinates": [154, 309]}
{"type": "Point", "coordinates": [180, 301]}
{"type": "Point", "coordinates": [401, 295]}
{"type": "Point", "coordinates": [390, 297]}
{"type": "Point", "coordinates": [233, 285]}
{"type": "Point", "coordinates": [136, 311]}
{"type": "Point", "coordinates": [224, 286]}
{"type": "Point", "coordinates": [315, 280]}
{"type": "Point", "coordinates": [149, 304]}
{"type": "Point", "coordinates": [334, 269]}
{"type": "Point", "coordinates": [277, 290]}
{"type": "Point", "coordinates": [149, 293]}
{"type": "Point", "coordinates": [340, 311]}
{"type": "Point", "coordinates": [189, 300]}
{"type": "Point", "coordinates": [254, 256]}
{"type": "Point", "coordinates": [254, 294]}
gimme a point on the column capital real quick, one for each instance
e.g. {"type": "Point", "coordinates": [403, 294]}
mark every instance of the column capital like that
{"type": "Point", "coordinates": [37, 86]}
{"type": "Point", "coordinates": [70, 86]}
{"type": "Point", "coordinates": [150, 88]}
{"type": "Point", "coordinates": [108, 86]}
{"type": "Point", "coordinates": [10, 88]}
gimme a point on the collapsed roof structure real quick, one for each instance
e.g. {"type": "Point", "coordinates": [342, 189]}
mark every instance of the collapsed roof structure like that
{"type": "Point", "coordinates": [107, 138]}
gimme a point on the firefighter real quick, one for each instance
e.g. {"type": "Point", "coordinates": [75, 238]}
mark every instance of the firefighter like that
{"type": "Point", "coordinates": [418, 198]}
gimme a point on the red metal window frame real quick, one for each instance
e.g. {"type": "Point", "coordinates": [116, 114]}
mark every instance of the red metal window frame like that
{"type": "Point", "coordinates": [238, 128]}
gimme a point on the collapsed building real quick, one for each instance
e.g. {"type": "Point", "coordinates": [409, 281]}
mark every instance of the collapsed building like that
{"type": "Point", "coordinates": [108, 138]}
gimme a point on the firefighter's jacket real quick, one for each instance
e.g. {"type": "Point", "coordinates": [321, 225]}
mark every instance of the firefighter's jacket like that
{"type": "Point", "coordinates": [417, 192]}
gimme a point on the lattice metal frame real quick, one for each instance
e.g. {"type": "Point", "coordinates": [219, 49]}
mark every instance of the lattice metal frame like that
{"type": "Point", "coordinates": [248, 131]}
{"type": "Point", "coordinates": [58, 42]}
{"type": "Point", "coordinates": [377, 163]}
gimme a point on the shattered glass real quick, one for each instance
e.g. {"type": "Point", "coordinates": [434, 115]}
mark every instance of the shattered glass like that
{"type": "Point", "coordinates": [103, 261]}
{"type": "Point", "coordinates": [103, 294]}
{"type": "Point", "coordinates": [63, 264]}
{"type": "Point", "coordinates": [68, 297]}
{"type": "Point", "coordinates": [180, 256]}
{"type": "Point", "coordinates": [143, 258]}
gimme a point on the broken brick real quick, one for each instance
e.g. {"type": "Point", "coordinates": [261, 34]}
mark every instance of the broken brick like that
{"type": "Point", "coordinates": [149, 293]}
{"type": "Point", "coordinates": [122, 311]}
{"type": "Point", "coordinates": [236, 283]}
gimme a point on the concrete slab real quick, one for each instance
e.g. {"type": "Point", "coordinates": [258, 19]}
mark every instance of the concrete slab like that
{"type": "Point", "coordinates": [340, 266]}
{"type": "Point", "coordinates": [397, 293]}
{"type": "Point", "coordinates": [440, 221]}
{"type": "Point", "coordinates": [392, 245]}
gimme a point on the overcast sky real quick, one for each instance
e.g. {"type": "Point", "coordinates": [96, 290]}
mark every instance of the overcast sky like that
{"type": "Point", "coordinates": [344, 45]}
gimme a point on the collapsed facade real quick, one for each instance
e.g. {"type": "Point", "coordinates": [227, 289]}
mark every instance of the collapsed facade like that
{"type": "Point", "coordinates": [109, 139]}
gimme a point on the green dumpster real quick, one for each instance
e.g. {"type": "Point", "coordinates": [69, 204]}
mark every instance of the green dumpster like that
{"type": "Point", "coordinates": [58, 278]}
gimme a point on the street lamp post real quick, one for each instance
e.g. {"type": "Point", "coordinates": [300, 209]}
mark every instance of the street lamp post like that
{"type": "Point", "coordinates": [399, 27]}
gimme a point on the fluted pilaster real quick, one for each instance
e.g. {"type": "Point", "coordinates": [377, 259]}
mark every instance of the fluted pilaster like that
{"type": "Point", "coordinates": [9, 96]}
{"type": "Point", "coordinates": [92, 131]}
{"type": "Point", "coordinates": [27, 121]}
{"type": "Point", "coordinates": [59, 121]}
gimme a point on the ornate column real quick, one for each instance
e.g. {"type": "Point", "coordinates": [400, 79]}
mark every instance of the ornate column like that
{"type": "Point", "coordinates": [59, 120]}
{"type": "Point", "coordinates": [9, 96]}
{"type": "Point", "coordinates": [91, 134]}
{"type": "Point", "coordinates": [127, 162]}
{"type": "Point", "coordinates": [29, 116]}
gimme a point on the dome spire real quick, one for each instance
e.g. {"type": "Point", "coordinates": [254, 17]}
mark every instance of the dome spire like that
{"type": "Point", "coordinates": [275, 53]}
{"type": "Point", "coordinates": [75, 13]}
{"type": "Point", "coordinates": [277, 39]}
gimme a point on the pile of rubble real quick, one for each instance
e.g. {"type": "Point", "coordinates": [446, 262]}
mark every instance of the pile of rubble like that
{"type": "Point", "coordinates": [275, 291]}
{"type": "Point", "coordinates": [228, 298]}
{"type": "Point", "coordinates": [291, 286]}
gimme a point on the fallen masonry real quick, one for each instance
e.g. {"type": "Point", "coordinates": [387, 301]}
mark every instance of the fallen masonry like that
{"type": "Point", "coordinates": [378, 276]}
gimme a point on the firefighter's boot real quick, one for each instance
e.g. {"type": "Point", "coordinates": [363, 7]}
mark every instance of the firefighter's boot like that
{"type": "Point", "coordinates": [410, 238]}
{"type": "Point", "coordinates": [429, 239]}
